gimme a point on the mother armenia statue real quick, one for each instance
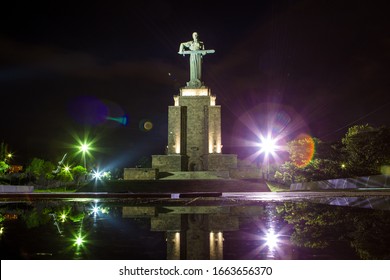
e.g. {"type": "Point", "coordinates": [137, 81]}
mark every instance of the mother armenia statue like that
{"type": "Point", "coordinates": [195, 49]}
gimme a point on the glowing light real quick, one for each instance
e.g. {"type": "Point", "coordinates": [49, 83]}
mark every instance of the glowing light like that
{"type": "Point", "coordinates": [268, 145]}
{"type": "Point", "coordinates": [212, 100]}
{"type": "Point", "coordinates": [176, 100]}
{"type": "Point", "coordinates": [271, 239]}
{"type": "Point", "coordinates": [97, 175]}
{"type": "Point", "coordinates": [343, 165]}
{"type": "Point", "coordinates": [8, 157]}
{"type": "Point", "coordinates": [177, 144]}
{"type": "Point", "coordinates": [67, 168]}
{"type": "Point", "coordinates": [63, 217]}
{"type": "Point", "coordinates": [1, 230]}
{"type": "Point", "coordinates": [194, 92]}
{"type": "Point", "coordinates": [79, 241]}
{"type": "Point", "coordinates": [84, 147]}
{"type": "Point", "coordinates": [273, 119]}
{"type": "Point", "coordinates": [95, 209]}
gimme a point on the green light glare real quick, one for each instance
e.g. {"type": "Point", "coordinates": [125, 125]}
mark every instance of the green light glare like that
{"type": "Point", "coordinates": [63, 217]}
{"type": "Point", "coordinates": [84, 145]}
{"type": "Point", "coordinates": [79, 240]}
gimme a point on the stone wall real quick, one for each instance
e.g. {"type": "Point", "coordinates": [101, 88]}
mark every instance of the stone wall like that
{"type": "Point", "coordinates": [213, 129]}
{"type": "Point", "coordinates": [177, 119]}
{"type": "Point", "coordinates": [167, 163]}
{"type": "Point", "coordinates": [245, 173]}
{"type": "Point", "coordinates": [140, 174]}
{"type": "Point", "coordinates": [216, 162]}
{"type": "Point", "coordinates": [196, 135]}
{"type": "Point", "coordinates": [16, 189]}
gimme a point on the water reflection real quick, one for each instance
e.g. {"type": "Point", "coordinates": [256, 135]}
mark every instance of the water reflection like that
{"type": "Point", "coordinates": [382, 203]}
{"type": "Point", "coordinates": [177, 229]}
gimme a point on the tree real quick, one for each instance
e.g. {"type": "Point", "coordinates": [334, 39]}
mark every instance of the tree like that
{"type": "Point", "coordinates": [40, 170]}
{"type": "Point", "coordinates": [366, 149]}
{"type": "Point", "coordinates": [320, 226]}
{"type": "Point", "coordinates": [3, 151]}
{"type": "Point", "coordinates": [3, 167]}
{"type": "Point", "coordinates": [310, 159]}
{"type": "Point", "coordinates": [65, 176]}
{"type": "Point", "coordinates": [301, 150]}
{"type": "Point", "coordinates": [34, 170]}
{"type": "Point", "coordinates": [79, 173]}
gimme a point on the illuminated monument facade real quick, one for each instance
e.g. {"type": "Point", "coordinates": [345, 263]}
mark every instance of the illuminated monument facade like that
{"type": "Point", "coordinates": [194, 123]}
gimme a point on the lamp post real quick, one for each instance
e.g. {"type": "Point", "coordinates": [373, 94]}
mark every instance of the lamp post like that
{"type": "Point", "coordinates": [84, 149]}
{"type": "Point", "coordinates": [268, 146]}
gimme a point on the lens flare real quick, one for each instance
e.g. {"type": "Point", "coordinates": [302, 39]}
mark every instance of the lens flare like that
{"type": "Point", "coordinates": [271, 120]}
{"type": "Point", "coordinates": [145, 125]}
{"type": "Point", "coordinates": [88, 110]}
{"type": "Point", "coordinates": [123, 120]}
{"type": "Point", "coordinates": [302, 150]}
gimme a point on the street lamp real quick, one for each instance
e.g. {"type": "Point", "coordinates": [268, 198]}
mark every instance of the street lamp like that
{"type": "Point", "coordinates": [8, 157]}
{"type": "Point", "coordinates": [84, 148]}
{"type": "Point", "coordinates": [267, 146]}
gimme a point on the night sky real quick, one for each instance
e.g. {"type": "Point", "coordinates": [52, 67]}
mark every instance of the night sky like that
{"type": "Point", "coordinates": [316, 67]}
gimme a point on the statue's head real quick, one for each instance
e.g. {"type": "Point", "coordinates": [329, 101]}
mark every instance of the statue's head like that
{"type": "Point", "coordinates": [195, 35]}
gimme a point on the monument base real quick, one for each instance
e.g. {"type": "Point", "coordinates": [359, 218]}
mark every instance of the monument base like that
{"type": "Point", "coordinates": [168, 163]}
{"type": "Point", "coordinates": [140, 174]}
{"type": "Point", "coordinates": [218, 162]}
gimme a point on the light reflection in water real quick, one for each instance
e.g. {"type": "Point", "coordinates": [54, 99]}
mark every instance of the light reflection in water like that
{"type": "Point", "coordinates": [266, 230]}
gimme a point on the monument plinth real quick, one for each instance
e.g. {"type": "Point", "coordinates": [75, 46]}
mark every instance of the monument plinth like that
{"type": "Point", "coordinates": [194, 123]}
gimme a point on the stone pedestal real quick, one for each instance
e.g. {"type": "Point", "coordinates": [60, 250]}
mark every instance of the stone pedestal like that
{"type": "Point", "coordinates": [167, 163]}
{"type": "Point", "coordinates": [194, 134]}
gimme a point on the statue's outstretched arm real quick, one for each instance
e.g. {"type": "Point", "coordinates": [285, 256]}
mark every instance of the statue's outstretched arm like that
{"type": "Point", "coordinates": [184, 46]}
{"type": "Point", "coordinates": [181, 48]}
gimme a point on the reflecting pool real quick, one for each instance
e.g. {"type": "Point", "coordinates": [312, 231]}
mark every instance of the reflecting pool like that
{"type": "Point", "coordinates": [194, 228]}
